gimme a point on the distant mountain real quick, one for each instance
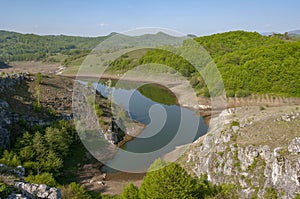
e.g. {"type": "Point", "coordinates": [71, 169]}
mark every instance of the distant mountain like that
{"type": "Point", "coordinates": [294, 32]}
{"type": "Point", "coordinates": [26, 47]}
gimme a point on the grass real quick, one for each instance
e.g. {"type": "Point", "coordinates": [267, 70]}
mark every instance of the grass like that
{"type": "Point", "coordinates": [234, 123]}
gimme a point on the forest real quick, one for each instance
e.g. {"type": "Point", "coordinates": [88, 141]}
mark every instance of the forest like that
{"type": "Point", "coordinates": [249, 63]}
{"type": "Point", "coordinates": [27, 47]}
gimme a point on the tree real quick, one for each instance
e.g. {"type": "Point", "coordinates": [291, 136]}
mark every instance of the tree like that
{"type": "Point", "coordinates": [130, 192]}
{"type": "Point", "coordinates": [38, 145]}
{"type": "Point", "coordinates": [10, 158]}
{"type": "Point", "coordinates": [171, 181]}
{"type": "Point", "coordinates": [57, 141]}
{"type": "Point", "coordinates": [27, 153]}
{"type": "Point", "coordinates": [38, 78]}
{"type": "Point", "coordinates": [51, 163]}
{"type": "Point", "coordinates": [43, 178]}
{"type": "Point", "coordinates": [75, 191]}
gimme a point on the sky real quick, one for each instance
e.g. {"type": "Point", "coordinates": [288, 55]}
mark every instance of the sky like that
{"type": "Point", "coordinates": [101, 17]}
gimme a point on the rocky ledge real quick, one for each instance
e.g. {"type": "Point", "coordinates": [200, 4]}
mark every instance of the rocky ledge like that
{"type": "Point", "coordinates": [28, 190]}
{"type": "Point", "coordinates": [255, 148]}
{"type": "Point", "coordinates": [8, 81]}
{"type": "Point", "coordinates": [33, 191]}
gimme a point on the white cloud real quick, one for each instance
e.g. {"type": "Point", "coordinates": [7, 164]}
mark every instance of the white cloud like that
{"type": "Point", "coordinates": [103, 24]}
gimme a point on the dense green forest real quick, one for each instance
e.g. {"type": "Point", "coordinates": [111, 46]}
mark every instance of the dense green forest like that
{"type": "Point", "coordinates": [26, 47]}
{"type": "Point", "coordinates": [248, 62]}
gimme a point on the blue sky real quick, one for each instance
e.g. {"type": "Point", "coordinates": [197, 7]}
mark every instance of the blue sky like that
{"type": "Point", "coordinates": [99, 17]}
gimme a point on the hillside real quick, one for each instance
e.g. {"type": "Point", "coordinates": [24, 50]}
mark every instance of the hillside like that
{"type": "Point", "coordinates": [26, 47]}
{"type": "Point", "coordinates": [249, 63]}
{"type": "Point", "coordinates": [254, 148]}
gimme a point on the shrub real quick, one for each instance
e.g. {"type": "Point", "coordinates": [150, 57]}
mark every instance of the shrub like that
{"type": "Point", "coordinates": [234, 123]}
{"type": "Point", "coordinates": [5, 190]}
{"type": "Point", "coordinates": [43, 178]}
{"type": "Point", "coordinates": [171, 181]}
{"type": "Point", "coordinates": [38, 78]}
{"type": "Point", "coordinates": [130, 192]}
{"type": "Point", "coordinates": [74, 191]}
{"type": "Point", "coordinates": [242, 93]}
{"type": "Point", "coordinates": [230, 93]}
{"type": "Point", "coordinates": [270, 193]}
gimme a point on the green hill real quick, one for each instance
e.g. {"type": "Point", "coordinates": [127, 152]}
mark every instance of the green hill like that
{"type": "Point", "coordinates": [26, 47]}
{"type": "Point", "coordinates": [223, 43]}
{"type": "Point", "coordinates": [249, 63]}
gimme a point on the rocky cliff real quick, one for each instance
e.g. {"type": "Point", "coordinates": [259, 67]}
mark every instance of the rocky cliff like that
{"type": "Point", "coordinates": [255, 148]}
{"type": "Point", "coordinates": [18, 93]}
{"type": "Point", "coordinates": [27, 190]}
{"type": "Point", "coordinates": [7, 83]}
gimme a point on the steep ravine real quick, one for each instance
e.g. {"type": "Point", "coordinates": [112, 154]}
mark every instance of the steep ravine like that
{"type": "Point", "coordinates": [255, 148]}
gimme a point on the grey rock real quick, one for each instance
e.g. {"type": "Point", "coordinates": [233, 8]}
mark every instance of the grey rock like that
{"type": "Point", "coordinates": [294, 147]}
{"type": "Point", "coordinates": [253, 168]}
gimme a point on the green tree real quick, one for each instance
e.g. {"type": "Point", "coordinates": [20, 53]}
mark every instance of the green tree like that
{"type": "Point", "coordinates": [130, 192]}
{"type": "Point", "coordinates": [43, 178]}
{"type": "Point", "coordinates": [75, 191]}
{"type": "Point", "coordinates": [38, 78]}
{"type": "Point", "coordinates": [51, 163]}
{"type": "Point", "coordinates": [10, 158]}
{"type": "Point", "coordinates": [27, 153]}
{"type": "Point", "coordinates": [39, 145]}
{"type": "Point", "coordinates": [171, 181]}
{"type": "Point", "coordinates": [57, 140]}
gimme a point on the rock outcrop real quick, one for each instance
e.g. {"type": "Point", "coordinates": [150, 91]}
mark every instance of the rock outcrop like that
{"type": "Point", "coordinates": [252, 148]}
{"type": "Point", "coordinates": [33, 191]}
{"type": "Point", "coordinates": [28, 190]}
{"type": "Point", "coordinates": [8, 81]}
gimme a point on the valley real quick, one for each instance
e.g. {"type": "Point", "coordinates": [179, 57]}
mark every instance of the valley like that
{"type": "Point", "coordinates": [248, 149]}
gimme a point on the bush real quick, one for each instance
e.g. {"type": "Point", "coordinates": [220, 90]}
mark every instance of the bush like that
{"type": "Point", "coordinates": [270, 193]}
{"type": "Point", "coordinates": [5, 190]}
{"type": "Point", "coordinates": [242, 93]}
{"type": "Point", "coordinates": [75, 191]}
{"type": "Point", "coordinates": [38, 78]}
{"type": "Point", "coordinates": [171, 181]}
{"type": "Point", "coordinates": [130, 192]}
{"type": "Point", "coordinates": [10, 159]}
{"type": "Point", "coordinates": [228, 191]}
{"type": "Point", "coordinates": [234, 123]}
{"type": "Point", "coordinates": [230, 93]}
{"type": "Point", "coordinates": [43, 178]}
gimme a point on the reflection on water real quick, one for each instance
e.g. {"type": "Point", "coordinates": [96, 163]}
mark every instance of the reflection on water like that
{"type": "Point", "coordinates": [163, 123]}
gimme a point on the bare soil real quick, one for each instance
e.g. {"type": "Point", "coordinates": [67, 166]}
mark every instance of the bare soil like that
{"type": "Point", "coordinates": [32, 67]}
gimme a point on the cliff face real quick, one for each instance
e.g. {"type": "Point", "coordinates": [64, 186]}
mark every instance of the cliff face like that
{"type": "Point", "coordinates": [7, 83]}
{"type": "Point", "coordinates": [253, 148]}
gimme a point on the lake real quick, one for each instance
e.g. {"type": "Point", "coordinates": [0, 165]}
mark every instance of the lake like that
{"type": "Point", "coordinates": [167, 124]}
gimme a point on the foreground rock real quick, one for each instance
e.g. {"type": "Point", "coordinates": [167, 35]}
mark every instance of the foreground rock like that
{"type": "Point", "coordinates": [27, 190]}
{"type": "Point", "coordinates": [33, 191]}
{"type": "Point", "coordinates": [253, 148]}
